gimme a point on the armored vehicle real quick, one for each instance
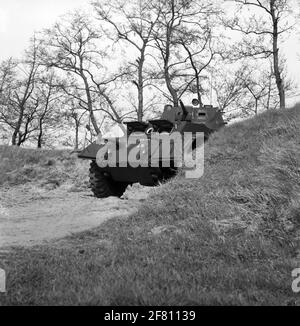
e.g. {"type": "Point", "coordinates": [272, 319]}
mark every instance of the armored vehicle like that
{"type": "Point", "coordinates": [112, 179]}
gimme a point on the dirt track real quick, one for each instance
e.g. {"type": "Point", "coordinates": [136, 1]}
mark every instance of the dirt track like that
{"type": "Point", "coordinates": [30, 216]}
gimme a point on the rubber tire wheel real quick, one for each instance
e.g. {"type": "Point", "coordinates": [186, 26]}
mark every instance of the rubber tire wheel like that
{"type": "Point", "coordinates": [104, 187]}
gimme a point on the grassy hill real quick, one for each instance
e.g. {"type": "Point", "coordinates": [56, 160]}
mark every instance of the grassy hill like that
{"type": "Point", "coordinates": [45, 168]}
{"type": "Point", "coordinates": [230, 237]}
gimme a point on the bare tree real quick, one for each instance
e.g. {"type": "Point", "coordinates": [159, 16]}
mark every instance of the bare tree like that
{"type": "Point", "coordinates": [69, 47]}
{"type": "Point", "coordinates": [261, 86]}
{"type": "Point", "coordinates": [180, 26]}
{"type": "Point", "coordinates": [229, 87]}
{"type": "Point", "coordinates": [75, 115]}
{"type": "Point", "coordinates": [20, 106]}
{"type": "Point", "coordinates": [263, 29]}
{"type": "Point", "coordinates": [7, 84]}
{"type": "Point", "coordinates": [134, 23]}
{"type": "Point", "coordinates": [7, 75]}
{"type": "Point", "coordinates": [198, 44]}
{"type": "Point", "coordinates": [48, 113]}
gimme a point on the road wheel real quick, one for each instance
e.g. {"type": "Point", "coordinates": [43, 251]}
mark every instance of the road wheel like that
{"type": "Point", "coordinates": [102, 186]}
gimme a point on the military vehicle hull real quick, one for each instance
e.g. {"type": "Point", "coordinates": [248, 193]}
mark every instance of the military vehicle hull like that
{"type": "Point", "coordinates": [107, 180]}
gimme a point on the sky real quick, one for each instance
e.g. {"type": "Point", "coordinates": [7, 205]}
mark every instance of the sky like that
{"type": "Point", "coordinates": [20, 18]}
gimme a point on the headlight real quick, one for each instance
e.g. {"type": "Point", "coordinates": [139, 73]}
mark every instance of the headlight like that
{"type": "Point", "coordinates": [195, 102]}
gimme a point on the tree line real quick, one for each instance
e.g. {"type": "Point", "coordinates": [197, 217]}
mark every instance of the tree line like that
{"type": "Point", "coordinates": [124, 59]}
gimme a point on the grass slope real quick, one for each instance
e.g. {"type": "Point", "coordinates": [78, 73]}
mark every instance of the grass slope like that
{"type": "Point", "coordinates": [46, 168]}
{"type": "Point", "coordinates": [227, 238]}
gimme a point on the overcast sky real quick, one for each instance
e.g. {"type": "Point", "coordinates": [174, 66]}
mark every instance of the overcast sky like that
{"type": "Point", "coordinates": [20, 18]}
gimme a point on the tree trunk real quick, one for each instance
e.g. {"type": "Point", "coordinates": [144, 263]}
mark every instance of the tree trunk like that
{"type": "Point", "coordinates": [141, 86]}
{"type": "Point", "coordinates": [269, 92]}
{"type": "Point", "coordinates": [279, 81]}
{"type": "Point", "coordinates": [196, 73]}
{"type": "Point", "coordinates": [170, 87]}
{"type": "Point", "coordinates": [89, 102]}
{"type": "Point", "coordinates": [167, 60]}
{"type": "Point", "coordinates": [20, 139]}
{"type": "Point", "coordinates": [199, 90]}
{"type": "Point", "coordinates": [256, 106]}
{"type": "Point", "coordinates": [16, 133]}
{"type": "Point", "coordinates": [40, 135]}
{"type": "Point", "coordinates": [76, 136]}
{"type": "Point", "coordinates": [14, 138]}
{"type": "Point", "coordinates": [40, 139]}
{"type": "Point", "coordinates": [167, 75]}
{"type": "Point", "coordinates": [111, 105]}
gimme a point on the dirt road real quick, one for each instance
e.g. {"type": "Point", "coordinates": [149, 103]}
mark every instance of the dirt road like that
{"type": "Point", "coordinates": [31, 215]}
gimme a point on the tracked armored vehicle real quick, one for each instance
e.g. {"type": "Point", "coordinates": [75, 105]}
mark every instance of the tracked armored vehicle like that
{"type": "Point", "coordinates": [112, 180]}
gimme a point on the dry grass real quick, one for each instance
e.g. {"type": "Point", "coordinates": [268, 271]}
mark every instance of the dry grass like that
{"type": "Point", "coordinates": [226, 239]}
{"type": "Point", "coordinates": [42, 167]}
